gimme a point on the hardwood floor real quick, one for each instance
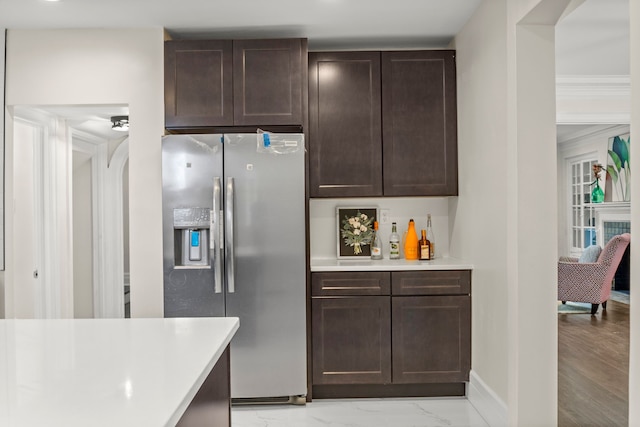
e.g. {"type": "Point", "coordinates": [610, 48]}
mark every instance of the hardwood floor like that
{"type": "Point", "coordinates": [593, 368]}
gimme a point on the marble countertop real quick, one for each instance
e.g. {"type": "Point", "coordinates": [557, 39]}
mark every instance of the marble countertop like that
{"type": "Point", "coordinates": [105, 372]}
{"type": "Point", "coordinates": [367, 264]}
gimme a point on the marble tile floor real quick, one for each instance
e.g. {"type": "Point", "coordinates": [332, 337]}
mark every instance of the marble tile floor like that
{"type": "Point", "coordinates": [399, 412]}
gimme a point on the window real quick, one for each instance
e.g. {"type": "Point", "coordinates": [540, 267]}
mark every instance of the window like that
{"type": "Point", "coordinates": [583, 221]}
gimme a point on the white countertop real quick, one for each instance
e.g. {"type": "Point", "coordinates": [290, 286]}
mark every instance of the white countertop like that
{"type": "Point", "coordinates": [105, 372]}
{"type": "Point", "coordinates": [367, 264]}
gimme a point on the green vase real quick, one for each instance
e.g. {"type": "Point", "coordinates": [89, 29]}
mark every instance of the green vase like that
{"type": "Point", "coordinates": [597, 195]}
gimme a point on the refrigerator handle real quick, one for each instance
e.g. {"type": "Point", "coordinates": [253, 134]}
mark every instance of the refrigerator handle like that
{"type": "Point", "coordinates": [215, 232]}
{"type": "Point", "coordinates": [230, 257]}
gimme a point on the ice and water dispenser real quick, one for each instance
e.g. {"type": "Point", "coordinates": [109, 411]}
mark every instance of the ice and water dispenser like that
{"type": "Point", "coordinates": [191, 227]}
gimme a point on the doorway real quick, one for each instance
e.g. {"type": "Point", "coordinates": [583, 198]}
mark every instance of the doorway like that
{"type": "Point", "coordinates": [75, 167]}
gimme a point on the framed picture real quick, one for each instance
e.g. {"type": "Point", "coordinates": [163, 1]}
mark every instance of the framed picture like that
{"type": "Point", "coordinates": [355, 231]}
{"type": "Point", "coordinates": [618, 176]}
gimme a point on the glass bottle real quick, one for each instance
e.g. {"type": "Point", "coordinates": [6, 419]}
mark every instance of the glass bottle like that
{"type": "Point", "coordinates": [394, 242]}
{"type": "Point", "coordinates": [431, 238]}
{"type": "Point", "coordinates": [425, 247]}
{"type": "Point", "coordinates": [597, 195]}
{"type": "Point", "coordinates": [411, 242]}
{"type": "Point", "coordinates": [376, 246]}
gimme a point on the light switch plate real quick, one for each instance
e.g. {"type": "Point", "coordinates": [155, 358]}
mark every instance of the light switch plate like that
{"type": "Point", "coordinates": [384, 216]}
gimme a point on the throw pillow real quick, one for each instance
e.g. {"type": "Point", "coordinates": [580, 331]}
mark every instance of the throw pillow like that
{"type": "Point", "coordinates": [590, 254]}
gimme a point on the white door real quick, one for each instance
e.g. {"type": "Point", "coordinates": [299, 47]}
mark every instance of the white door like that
{"type": "Point", "coordinates": [29, 296]}
{"type": "Point", "coordinates": [41, 259]}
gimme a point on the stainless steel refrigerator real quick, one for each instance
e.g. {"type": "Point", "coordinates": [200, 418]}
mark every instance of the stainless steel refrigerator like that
{"type": "Point", "coordinates": [234, 245]}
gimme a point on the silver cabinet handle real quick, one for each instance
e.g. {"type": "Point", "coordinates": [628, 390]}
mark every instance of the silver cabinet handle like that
{"type": "Point", "coordinates": [214, 232]}
{"type": "Point", "coordinates": [229, 245]}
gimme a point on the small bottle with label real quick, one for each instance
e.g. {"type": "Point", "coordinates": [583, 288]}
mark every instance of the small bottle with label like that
{"type": "Point", "coordinates": [376, 243]}
{"type": "Point", "coordinates": [394, 242]}
{"type": "Point", "coordinates": [424, 247]}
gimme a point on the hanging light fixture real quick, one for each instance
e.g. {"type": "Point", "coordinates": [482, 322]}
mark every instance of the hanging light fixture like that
{"type": "Point", "coordinates": [120, 123]}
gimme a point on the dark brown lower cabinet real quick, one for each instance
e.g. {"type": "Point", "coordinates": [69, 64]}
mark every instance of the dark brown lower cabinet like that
{"type": "Point", "coordinates": [380, 341]}
{"type": "Point", "coordinates": [431, 338]}
{"type": "Point", "coordinates": [211, 406]}
{"type": "Point", "coordinates": [351, 340]}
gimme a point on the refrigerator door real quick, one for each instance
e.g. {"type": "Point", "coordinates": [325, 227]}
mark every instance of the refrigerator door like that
{"type": "Point", "coordinates": [190, 166]}
{"type": "Point", "coordinates": [268, 353]}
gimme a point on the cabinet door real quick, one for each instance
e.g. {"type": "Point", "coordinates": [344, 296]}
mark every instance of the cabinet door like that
{"type": "Point", "coordinates": [431, 339]}
{"type": "Point", "coordinates": [267, 81]}
{"type": "Point", "coordinates": [419, 123]}
{"type": "Point", "coordinates": [198, 85]}
{"type": "Point", "coordinates": [351, 340]}
{"type": "Point", "coordinates": [344, 124]}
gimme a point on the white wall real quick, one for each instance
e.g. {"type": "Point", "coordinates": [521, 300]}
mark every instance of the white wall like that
{"type": "Point", "coordinates": [2, 116]}
{"type": "Point", "coordinates": [505, 220]}
{"type": "Point", "coordinates": [323, 227]}
{"type": "Point", "coordinates": [123, 66]}
{"type": "Point", "coordinates": [479, 216]}
{"type": "Point", "coordinates": [634, 359]}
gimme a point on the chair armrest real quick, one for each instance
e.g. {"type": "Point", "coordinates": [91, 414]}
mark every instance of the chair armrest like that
{"type": "Point", "coordinates": [568, 259]}
{"type": "Point", "coordinates": [581, 282]}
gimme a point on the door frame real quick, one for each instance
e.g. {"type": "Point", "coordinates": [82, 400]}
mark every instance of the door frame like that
{"type": "Point", "coordinates": [53, 143]}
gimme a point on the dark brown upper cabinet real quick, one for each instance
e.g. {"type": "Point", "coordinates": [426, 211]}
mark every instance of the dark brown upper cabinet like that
{"type": "Point", "coordinates": [267, 81]}
{"type": "Point", "coordinates": [198, 83]}
{"type": "Point", "coordinates": [211, 83]}
{"type": "Point", "coordinates": [419, 123]}
{"type": "Point", "coordinates": [345, 124]}
{"type": "Point", "coordinates": [382, 124]}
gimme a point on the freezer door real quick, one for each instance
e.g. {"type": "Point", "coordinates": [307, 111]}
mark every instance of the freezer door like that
{"type": "Point", "coordinates": [190, 166]}
{"type": "Point", "coordinates": [268, 354]}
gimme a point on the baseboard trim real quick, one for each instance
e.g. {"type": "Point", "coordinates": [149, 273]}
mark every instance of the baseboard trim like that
{"type": "Point", "coordinates": [340, 391]}
{"type": "Point", "coordinates": [486, 402]}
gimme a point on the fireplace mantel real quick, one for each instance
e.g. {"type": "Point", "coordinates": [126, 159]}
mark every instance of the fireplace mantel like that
{"type": "Point", "coordinates": [610, 212]}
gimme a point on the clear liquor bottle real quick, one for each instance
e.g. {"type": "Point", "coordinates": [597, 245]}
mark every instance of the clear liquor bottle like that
{"type": "Point", "coordinates": [376, 245]}
{"type": "Point", "coordinates": [431, 238]}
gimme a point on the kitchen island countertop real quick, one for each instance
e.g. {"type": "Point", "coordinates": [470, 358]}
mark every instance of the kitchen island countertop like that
{"type": "Point", "coordinates": [106, 372]}
{"type": "Point", "coordinates": [367, 264]}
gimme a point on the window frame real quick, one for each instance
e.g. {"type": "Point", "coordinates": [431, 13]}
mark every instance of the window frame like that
{"type": "Point", "coordinates": [576, 212]}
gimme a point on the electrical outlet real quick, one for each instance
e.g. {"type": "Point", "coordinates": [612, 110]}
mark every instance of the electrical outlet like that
{"type": "Point", "coordinates": [384, 216]}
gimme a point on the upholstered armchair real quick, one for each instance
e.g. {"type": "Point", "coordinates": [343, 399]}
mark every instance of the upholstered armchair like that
{"type": "Point", "coordinates": [591, 282]}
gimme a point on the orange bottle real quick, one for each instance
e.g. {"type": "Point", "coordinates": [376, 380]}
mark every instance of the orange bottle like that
{"type": "Point", "coordinates": [411, 242]}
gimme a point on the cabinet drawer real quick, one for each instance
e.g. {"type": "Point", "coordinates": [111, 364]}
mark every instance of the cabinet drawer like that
{"type": "Point", "coordinates": [350, 283]}
{"type": "Point", "coordinates": [444, 282]}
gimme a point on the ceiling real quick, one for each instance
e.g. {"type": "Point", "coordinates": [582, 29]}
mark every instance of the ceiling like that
{"type": "Point", "coordinates": [594, 39]}
{"type": "Point", "coordinates": [591, 40]}
{"type": "Point", "coordinates": [326, 23]}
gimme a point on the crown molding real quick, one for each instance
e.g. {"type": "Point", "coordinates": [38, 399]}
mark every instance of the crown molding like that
{"type": "Point", "coordinates": [604, 117]}
{"type": "Point", "coordinates": [593, 87]}
{"type": "Point", "coordinates": [591, 90]}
